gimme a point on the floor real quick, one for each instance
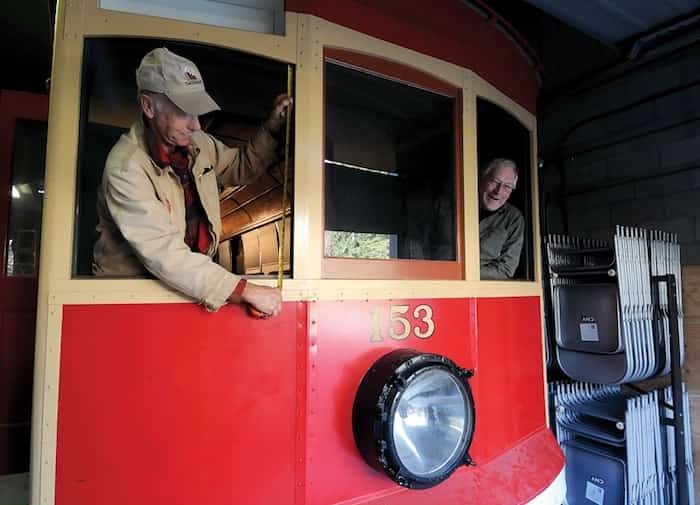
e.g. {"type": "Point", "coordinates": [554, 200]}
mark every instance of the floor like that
{"type": "Point", "coordinates": [14, 489]}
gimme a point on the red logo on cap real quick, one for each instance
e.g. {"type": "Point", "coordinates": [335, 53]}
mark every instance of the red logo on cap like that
{"type": "Point", "coordinates": [191, 76]}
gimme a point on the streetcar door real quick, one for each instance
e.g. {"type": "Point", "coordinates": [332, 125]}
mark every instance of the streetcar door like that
{"type": "Point", "coordinates": [23, 119]}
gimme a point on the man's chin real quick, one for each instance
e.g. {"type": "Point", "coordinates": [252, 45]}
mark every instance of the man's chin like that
{"type": "Point", "coordinates": [180, 143]}
{"type": "Point", "coordinates": [493, 206]}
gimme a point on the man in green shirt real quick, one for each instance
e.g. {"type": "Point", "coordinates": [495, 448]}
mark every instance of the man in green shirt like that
{"type": "Point", "coordinates": [501, 225]}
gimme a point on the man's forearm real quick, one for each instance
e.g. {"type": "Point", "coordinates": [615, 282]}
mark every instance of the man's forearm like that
{"type": "Point", "coordinates": [494, 270]}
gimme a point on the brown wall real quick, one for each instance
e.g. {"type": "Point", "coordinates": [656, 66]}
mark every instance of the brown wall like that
{"type": "Point", "coordinates": [691, 368]}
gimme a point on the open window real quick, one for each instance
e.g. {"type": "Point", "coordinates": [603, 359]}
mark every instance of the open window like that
{"type": "Point", "coordinates": [392, 190]}
{"type": "Point", "coordinates": [501, 136]}
{"type": "Point", "coordinates": [244, 86]}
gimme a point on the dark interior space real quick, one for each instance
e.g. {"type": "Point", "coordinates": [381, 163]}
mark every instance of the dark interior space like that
{"type": "Point", "coordinates": [381, 136]}
{"type": "Point", "coordinates": [500, 135]}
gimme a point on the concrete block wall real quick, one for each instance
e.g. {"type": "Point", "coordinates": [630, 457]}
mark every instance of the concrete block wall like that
{"type": "Point", "coordinates": [640, 166]}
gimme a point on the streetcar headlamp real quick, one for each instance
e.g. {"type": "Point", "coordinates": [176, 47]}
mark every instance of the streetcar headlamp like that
{"type": "Point", "coordinates": [413, 417]}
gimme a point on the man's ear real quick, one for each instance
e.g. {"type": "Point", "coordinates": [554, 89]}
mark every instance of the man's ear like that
{"type": "Point", "coordinates": [147, 105]}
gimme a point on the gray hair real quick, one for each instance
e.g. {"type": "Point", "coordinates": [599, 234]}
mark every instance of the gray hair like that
{"type": "Point", "coordinates": [154, 96]}
{"type": "Point", "coordinates": [496, 163]}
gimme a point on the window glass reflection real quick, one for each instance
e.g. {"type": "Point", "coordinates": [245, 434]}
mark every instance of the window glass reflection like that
{"type": "Point", "coordinates": [26, 191]}
{"type": "Point", "coordinates": [389, 168]}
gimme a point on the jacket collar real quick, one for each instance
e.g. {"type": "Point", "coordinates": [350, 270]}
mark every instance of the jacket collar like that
{"type": "Point", "coordinates": [146, 142]}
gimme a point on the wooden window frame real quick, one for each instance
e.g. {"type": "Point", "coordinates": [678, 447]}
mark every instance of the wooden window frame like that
{"type": "Point", "coordinates": [408, 269]}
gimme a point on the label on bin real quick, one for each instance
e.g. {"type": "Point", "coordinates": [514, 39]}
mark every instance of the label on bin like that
{"type": "Point", "coordinates": [589, 332]}
{"type": "Point", "coordinates": [594, 493]}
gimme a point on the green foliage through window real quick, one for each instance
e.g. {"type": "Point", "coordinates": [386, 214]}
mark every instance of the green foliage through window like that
{"type": "Point", "coordinates": [348, 244]}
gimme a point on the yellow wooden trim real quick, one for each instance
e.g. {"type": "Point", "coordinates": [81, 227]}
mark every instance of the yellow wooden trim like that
{"type": "Point", "coordinates": [470, 180]}
{"type": "Point", "coordinates": [45, 404]}
{"type": "Point", "coordinates": [82, 18]}
{"type": "Point", "coordinates": [38, 423]}
{"type": "Point", "coordinates": [485, 90]}
{"type": "Point", "coordinates": [308, 153]}
{"type": "Point", "coordinates": [104, 23]}
{"type": "Point", "coordinates": [535, 184]}
{"type": "Point", "coordinates": [61, 161]}
{"type": "Point", "coordinates": [332, 35]}
{"type": "Point", "coordinates": [313, 35]}
{"type": "Point", "coordinates": [384, 290]}
{"type": "Point", "coordinates": [126, 291]}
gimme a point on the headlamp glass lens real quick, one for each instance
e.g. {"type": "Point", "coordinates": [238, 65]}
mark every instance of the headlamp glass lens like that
{"type": "Point", "coordinates": [430, 421]}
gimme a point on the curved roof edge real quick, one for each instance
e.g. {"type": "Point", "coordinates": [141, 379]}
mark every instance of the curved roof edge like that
{"type": "Point", "coordinates": [466, 33]}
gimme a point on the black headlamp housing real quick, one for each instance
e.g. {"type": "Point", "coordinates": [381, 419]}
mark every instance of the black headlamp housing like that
{"type": "Point", "coordinates": [375, 406]}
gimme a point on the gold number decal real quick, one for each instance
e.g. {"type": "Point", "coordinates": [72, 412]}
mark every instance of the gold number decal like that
{"type": "Point", "coordinates": [399, 309]}
{"type": "Point", "coordinates": [427, 318]}
{"type": "Point", "coordinates": [376, 331]}
{"type": "Point", "coordinates": [422, 313]}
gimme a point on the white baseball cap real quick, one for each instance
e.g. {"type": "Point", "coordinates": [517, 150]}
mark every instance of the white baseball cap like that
{"type": "Point", "coordinates": [162, 71]}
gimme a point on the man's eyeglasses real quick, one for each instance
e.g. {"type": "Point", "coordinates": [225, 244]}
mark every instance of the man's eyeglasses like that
{"type": "Point", "coordinates": [498, 184]}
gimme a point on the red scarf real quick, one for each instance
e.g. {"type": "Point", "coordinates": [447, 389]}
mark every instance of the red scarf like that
{"type": "Point", "coordinates": [197, 230]}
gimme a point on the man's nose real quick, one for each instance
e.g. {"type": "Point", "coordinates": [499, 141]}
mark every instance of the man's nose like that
{"type": "Point", "coordinates": [194, 123]}
{"type": "Point", "coordinates": [501, 190]}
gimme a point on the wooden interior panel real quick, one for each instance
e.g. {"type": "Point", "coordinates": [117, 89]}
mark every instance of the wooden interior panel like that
{"type": "Point", "coordinates": [287, 244]}
{"type": "Point", "coordinates": [691, 368]}
{"type": "Point", "coordinates": [250, 252]}
{"type": "Point", "coordinates": [253, 211]}
{"type": "Point", "coordinates": [264, 209]}
{"type": "Point", "coordinates": [225, 255]}
{"type": "Point", "coordinates": [268, 248]}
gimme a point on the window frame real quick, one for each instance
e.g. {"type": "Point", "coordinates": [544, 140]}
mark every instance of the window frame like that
{"type": "Point", "coordinates": [526, 173]}
{"type": "Point", "coordinates": [407, 269]}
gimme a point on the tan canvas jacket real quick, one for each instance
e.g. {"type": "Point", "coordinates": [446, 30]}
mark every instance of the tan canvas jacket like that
{"type": "Point", "coordinates": [141, 212]}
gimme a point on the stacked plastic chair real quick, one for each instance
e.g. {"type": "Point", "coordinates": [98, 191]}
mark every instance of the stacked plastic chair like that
{"type": "Point", "coordinates": [607, 324]}
{"type": "Point", "coordinates": [614, 317]}
{"type": "Point", "coordinates": [665, 259]}
{"type": "Point", "coordinates": [618, 449]}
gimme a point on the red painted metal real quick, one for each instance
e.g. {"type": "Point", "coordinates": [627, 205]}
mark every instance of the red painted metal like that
{"type": "Point", "coordinates": [170, 404]}
{"type": "Point", "coordinates": [302, 333]}
{"type": "Point", "coordinates": [515, 477]}
{"type": "Point", "coordinates": [339, 358]}
{"type": "Point", "coordinates": [443, 29]}
{"type": "Point", "coordinates": [17, 300]}
{"type": "Point", "coordinates": [508, 391]}
{"type": "Point", "coordinates": [509, 383]}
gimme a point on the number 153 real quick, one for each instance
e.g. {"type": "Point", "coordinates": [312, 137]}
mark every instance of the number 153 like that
{"type": "Point", "coordinates": [401, 324]}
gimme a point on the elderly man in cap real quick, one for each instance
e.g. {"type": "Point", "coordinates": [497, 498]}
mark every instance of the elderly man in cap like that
{"type": "Point", "coordinates": [501, 225]}
{"type": "Point", "coordinates": [158, 204]}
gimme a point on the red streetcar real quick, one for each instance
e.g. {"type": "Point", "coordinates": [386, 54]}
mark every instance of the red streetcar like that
{"type": "Point", "coordinates": [393, 375]}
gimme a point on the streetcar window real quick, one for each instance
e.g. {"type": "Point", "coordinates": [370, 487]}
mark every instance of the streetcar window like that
{"type": "Point", "coordinates": [266, 16]}
{"type": "Point", "coordinates": [27, 195]}
{"type": "Point", "coordinates": [502, 136]}
{"type": "Point", "coordinates": [243, 85]}
{"type": "Point", "coordinates": [390, 181]}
